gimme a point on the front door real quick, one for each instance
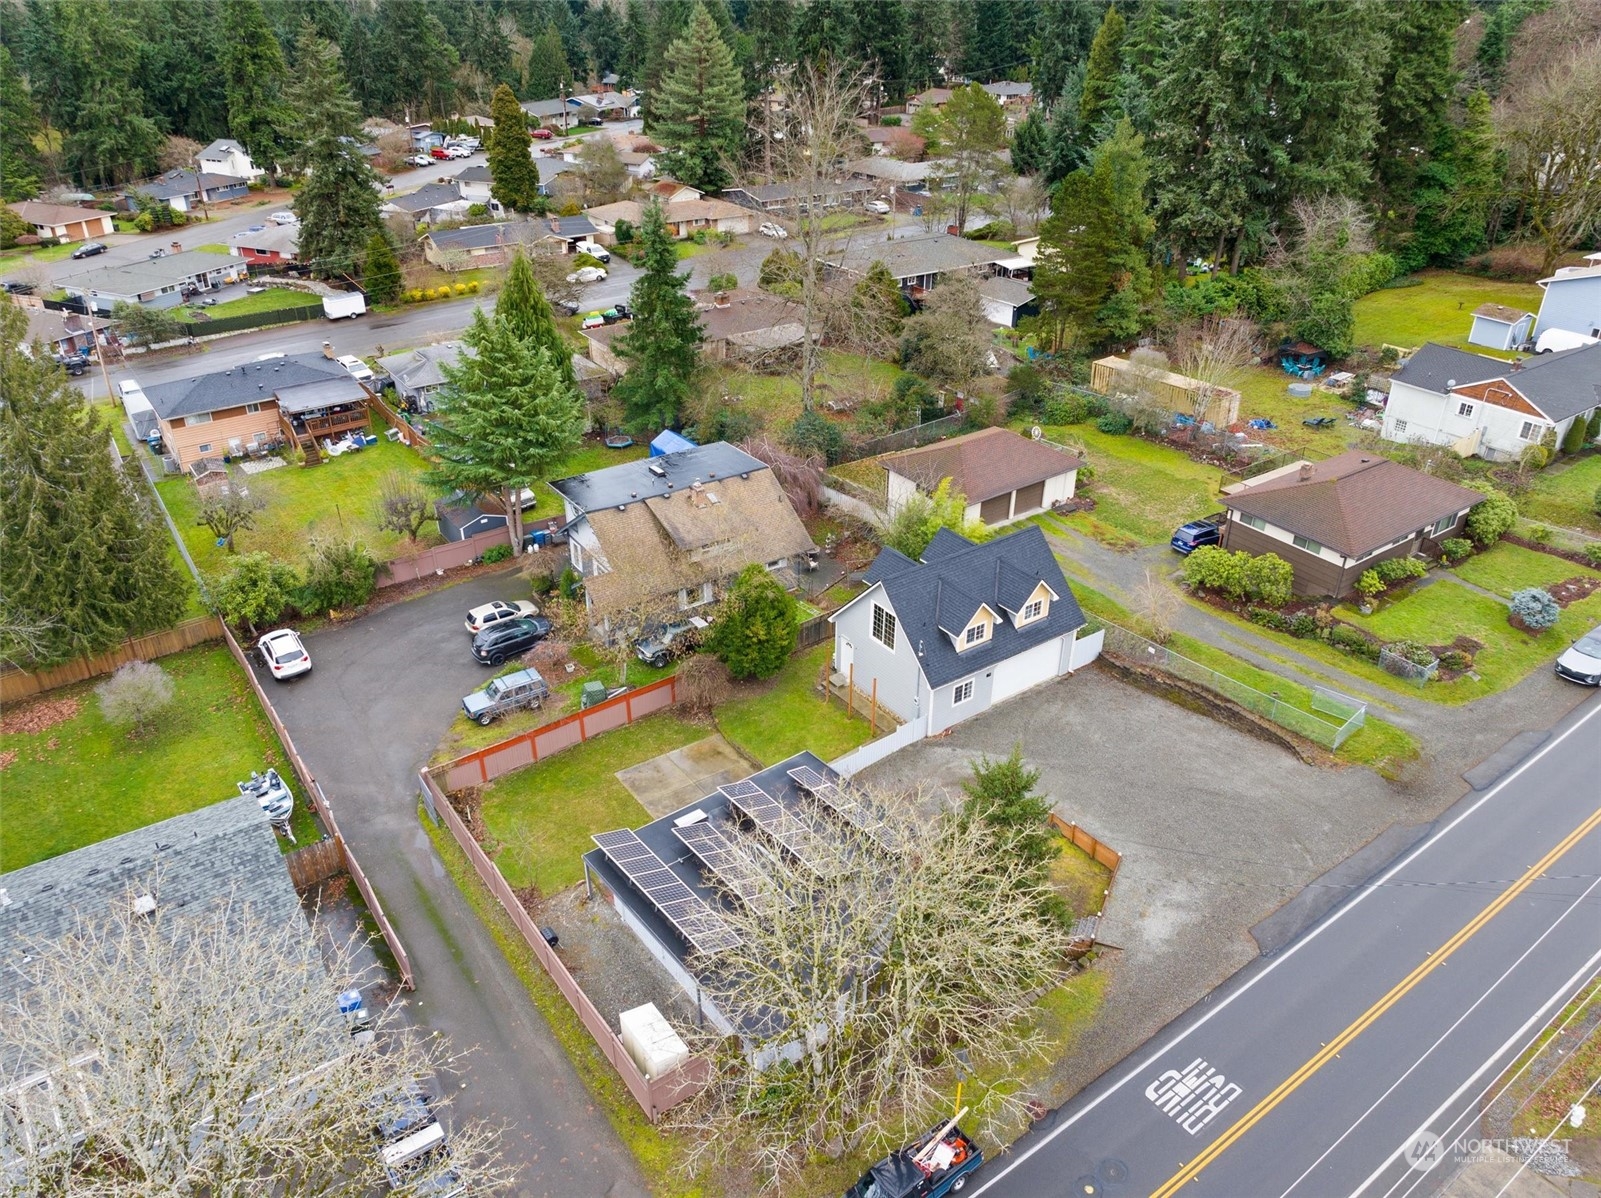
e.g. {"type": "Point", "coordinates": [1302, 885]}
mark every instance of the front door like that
{"type": "Point", "coordinates": [847, 656]}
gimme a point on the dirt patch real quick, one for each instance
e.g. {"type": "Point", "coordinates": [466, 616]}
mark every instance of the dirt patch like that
{"type": "Point", "coordinates": [1571, 590]}
{"type": "Point", "coordinates": [7, 758]}
{"type": "Point", "coordinates": [37, 717]}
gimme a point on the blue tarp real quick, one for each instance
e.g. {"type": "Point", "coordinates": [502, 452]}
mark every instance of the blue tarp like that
{"type": "Point", "coordinates": [669, 442]}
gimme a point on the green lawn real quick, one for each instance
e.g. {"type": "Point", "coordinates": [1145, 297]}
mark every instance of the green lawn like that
{"type": "Point", "coordinates": [336, 499]}
{"type": "Point", "coordinates": [270, 300]}
{"type": "Point", "coordinates": [50, 253]}
{"type": "Point", "coordinates": [214, 247]}
{"type": "Point", "coordinates": [1439, 310]}
{"type": "Point", "coordinates": [789, 715]}
{"type": "Point", "coordinates": [1264, 391]}
{"type": "Point", "coordinates": [1507, 568]}
{"type": "Point", "coordinates": [1141, 489]}
{"type": "Point", "coordinates": [1565, 494]}
{"type": "Point", "coordinates": [541, 818]}
{"type": "Point", "coordinates": [776, 399]}
{"type": "Point", "coordinates": [83, 780]}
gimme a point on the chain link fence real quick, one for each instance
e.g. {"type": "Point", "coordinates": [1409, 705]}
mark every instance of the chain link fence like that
{"type": "Point", "coordinates": [1332, 720]}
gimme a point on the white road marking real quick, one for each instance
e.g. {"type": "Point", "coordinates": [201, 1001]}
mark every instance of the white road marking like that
{"type": "Point", "coordinates": [1194, 1097]}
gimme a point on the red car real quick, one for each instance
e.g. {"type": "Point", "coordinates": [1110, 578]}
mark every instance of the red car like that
{"type": "Point", "coordinates": [438, 152]}
{"type": "Point", "coordinates": [542, 133]}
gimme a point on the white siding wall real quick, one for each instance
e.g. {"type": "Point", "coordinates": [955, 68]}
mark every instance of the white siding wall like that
{"type": "Point", "coordinates": [900, 679]}
{"type": "Point", "coordinates": [1414, 414]}
{"type": "Point", "coordinates": [1572, 304]}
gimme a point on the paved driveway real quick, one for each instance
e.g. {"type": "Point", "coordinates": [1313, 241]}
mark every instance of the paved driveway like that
{"type": "Point", "coordinates": [1218, 831]}
{"type": "Point", "coordinates": [365, 720]}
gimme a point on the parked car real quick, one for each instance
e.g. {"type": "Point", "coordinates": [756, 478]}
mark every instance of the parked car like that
{"type": "Point", "coordinates": [420, 160]}
{"type": "Point", "coordinates": [924, 1168]}
{"type": "Point", "coordinates": [284, 218]}
{"type": "Point", "coordinates": [878, 206]}
{"type": "Point", "coordinates": [458, 152]}
{"type": "Point", "coordinates": [670, 641]}
{"type": "Point", "coordinates": [541, 134]}
{"type": "Point", "coordinates": [504, 695]}
{"type": "Point", "coordinates": [283, 654]}
{"type": "Point", "coordinates": [401, 1112]}
{"type": "Point", "coordinates": [1582, 662]}
{"type": "Point", "coordinates": [358, 369]}
{"type": "Point", "coordinates": [438, 153]}
{"type": "Point", "coordinates": [1195, 534]}
{"type": "Point", "coordinates": [587, 274]}
{"type": "Point", "coordinates": [618, 312]}
{"type": "Point", "coordinates": [769, 229]}
{"type": "Point", "coordinates": [597, 252]}
{"type": "Point", "coordinates": [508, 638]}
{"type": "Point", "coordinates": [489, 614]}
{"type": "Point", "coordinates": [89, 249]}
{"type": "Point", "coordinates": [73, 364]}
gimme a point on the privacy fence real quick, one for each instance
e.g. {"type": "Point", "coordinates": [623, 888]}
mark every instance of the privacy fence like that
{"type": "Point", "coordinates": [16, 685]}
{"type": "Point", "coordinates": [441, 557]}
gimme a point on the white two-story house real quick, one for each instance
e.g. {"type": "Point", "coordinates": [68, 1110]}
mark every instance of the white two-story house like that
{"type": "Point", "coordinates": [1490, 408]}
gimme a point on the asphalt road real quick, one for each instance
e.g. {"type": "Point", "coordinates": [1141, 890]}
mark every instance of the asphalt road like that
{"type": "Point", "coordinates": [380, 696]}
{"type": "Point", "coordinates": [1354, 1060]}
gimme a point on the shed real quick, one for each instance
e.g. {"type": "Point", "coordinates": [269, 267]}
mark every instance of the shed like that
{"type": "Point", "coordinates": [1176, 391]}
{"type": "Point", "coordinates": [1496, 326]}
{"type": "Point", "coordinates": [667, 442]}
{"type": "Point", "coordinates": [461, 519]}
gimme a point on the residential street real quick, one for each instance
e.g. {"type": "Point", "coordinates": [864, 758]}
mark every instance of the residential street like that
{"type": "Point", "coordinates": [383, 690]}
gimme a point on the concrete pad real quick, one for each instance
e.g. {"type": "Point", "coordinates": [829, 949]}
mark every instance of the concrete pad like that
{"type": "Point", "coordinates": [666, 783]}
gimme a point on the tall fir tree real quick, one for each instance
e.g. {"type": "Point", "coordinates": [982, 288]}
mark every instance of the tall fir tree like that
{"type": "Point", "coordinates": [1414, 120]}
{"type": "Point", "coordinates": [548, 71]}
{"type": "Point", "coordinates": [822, 30]}
{"type": "Point", "coordinates": [514, 178]}
{"type": "Point", "coordinates": [662, 344]}
{"type": "Point", "coordinates": [1098, 94]}
{"type": "Point", "coordinates": [380, 270]}
{"type": "Point", "coordinates": [878, 42]}
{"type": "Point", "coordinates": [338, 199]}
{"type": "Point", "coordinates": [255, 76]}
{"type": "Point", "coordinates": [178, 70]}
{"type": "Point", "coordinates": [1062, 37]}
{"type": "Point", "coordinates": [635, 47]}
{"type": "Point", "coordinates": [84, 560]}
{"type": "Point", "coordinates": [700, 111]}
{"type": "Point", "coordinates": [1093, 275]}
{"type": "Point", "coordinates": [111, 135]}
{"type": "Point", "coordinates": [420, 61]}
{"type": "Point", "coordinates": [19, 160]}
{"type": "Point", "coordinates": [770, 25]}
{"type": "Point", "coordinates": [669, 21]}
{"type": "Point", "coordinates": [522, 307]}
{"type": "Point", "coordinates": [931, 46]}
{"type": "Point", "coordinates": [1455, 191]}
{"type": "Point", "coordinates": [1031, 143]}
{"type": "Point", "coordinates": [507, 418]}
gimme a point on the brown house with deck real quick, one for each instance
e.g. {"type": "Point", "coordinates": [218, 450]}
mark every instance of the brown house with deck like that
{"type": "Point", "coordinates": [1332, 520]}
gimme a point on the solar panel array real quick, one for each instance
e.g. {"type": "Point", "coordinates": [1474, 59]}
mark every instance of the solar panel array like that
{"type": "Point", "coordinates": [849, 804]}
{"type": "Point", "coordinates": [730, 864]}
{"type": "Point", "coordinates": [703, 928]}
{"type": "Point", "coordinates": [777, 821]}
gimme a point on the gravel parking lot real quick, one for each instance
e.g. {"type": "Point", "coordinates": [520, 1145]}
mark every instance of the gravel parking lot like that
{"type": "Point", "coordinates": [1217, 830]}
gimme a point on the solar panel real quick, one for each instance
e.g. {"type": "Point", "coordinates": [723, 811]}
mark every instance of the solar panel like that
{"type": "Point", "coordinates": [703, 928]}
{"type": "Point", "coordinates": [850, 804]}
{"type": "Point", "coordinates": [729, 864]}
{"type": "Point", "coordinates": [778, 822]}
{"type": "Point", "coordinates": [744, 789]}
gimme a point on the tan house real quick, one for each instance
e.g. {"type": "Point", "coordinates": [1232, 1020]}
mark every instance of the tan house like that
{"type": "Point", "coordinates": [1003, 476]}
{"type": "Point", "coordinates": [1177, 392]}
{"type": "Point", "coordinates": [303, 399]}
{"type": "Point", "coordinates": [684, 217]}
{"type": "Point", "coordinates": [64, 222]}
{"type": "Point", "coordinates": [741, 324]}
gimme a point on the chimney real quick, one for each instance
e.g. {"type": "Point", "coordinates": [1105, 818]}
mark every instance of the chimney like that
{"type": "Point", "coordinates": [721, 300]}
{"type": "Point", "coordinates": [1306, 471]}
{"type": "Point", "coordinates": [328, 350]}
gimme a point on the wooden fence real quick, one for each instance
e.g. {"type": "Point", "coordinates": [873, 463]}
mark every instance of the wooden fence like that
{"type": "Point", "coordinates": [313, 863]}
{"type": "Point", "coordinates": [654, 1094]}
{"type": "Point", "coordinates": [394, 419]}
{"type": "Point", "coordinates": [814, 632]}
{"type": "Point", "coordinates": [485, 765]}
{"type": "Point", "coordinates": [314, 790]}
{"type": "Point", "coordinates": [441, 557]}
{"type": "Point", "coordinates": [1102, 853]}
{"type": "Point", "coordinates": [16, 685]}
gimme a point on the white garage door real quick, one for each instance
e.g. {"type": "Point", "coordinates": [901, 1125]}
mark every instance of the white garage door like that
{"type": "Point", "coordinates": [1026, 670]}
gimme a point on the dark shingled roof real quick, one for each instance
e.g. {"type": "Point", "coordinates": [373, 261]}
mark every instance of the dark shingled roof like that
{"type": "Point", "coordinates": [944, 591]}
{"type": "Point", "coordinates": [1500, 312]}
{"type": "Point", "coordinates": [250, 383]}
{"type": "Point", "coordinates": [633, 482]}
{"type": "Point", "coordinates": [1354, 503]}
{"type": "Point", "coordinates": [429, 195]}
{"type": "Point", "coordinates": [1558, 384]}
{"type": "Point", "coordinates": [1435, 366]}
{"type": "Point", "coordinates": [982, 465]}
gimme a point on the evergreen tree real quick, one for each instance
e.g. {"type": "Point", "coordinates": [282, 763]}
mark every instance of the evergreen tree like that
{"type": "Point", "coordinates": [1093, 274]}
{"type": "Point", "coordinates": [930, 52]}
{"type": "Point", "coordinates": [1454, 192]}
{"type": "Point", "coordinates": [603, 35]}
{"type": "Point", "coordinates": [757, 626]}
{"type": "Point", "coordinates": [669, 21]}
{"type": "Point", "coordinates": [1061, 42]}
{"type": "Point", "coordinates": [991, 47]}
{"type": "Point", "coordinates": [700, 111]}
{"type": "Point", "coordinates": [1031, 142]}
{"type": "Point", "coordinates": [1002, 794]}
{"type": "Point", "coordinates": [420, 61]}
{"type": "Point", "coordinates": [363, 69]}
{"type": "Point", "coordinates": [822, 30]}
{"type": "Point", "coordinates": [380, 270]}
{"type": "Point", "coordinates": [1099, 92]}
{"type": "Point", "coordinates": [254, 76]}
{"type": "Point", "coordinates": [178, 68]}
{"type": "Point", "coordinates": [84, 561]}
{"type": "Point", "coordinates": [1064, 151]}
{"type": "Point", "coordinates": [662, 344]}
{"type": "Point", "coordinates": [514, 177]}
{"type": "Point", "coordinates": [770, 26]}
{"type": "Point", "coordinates": [110, 135]}
{"type": "Point", "coordinates": [878, 42]}
{"type": "Point", "coordinates": [507, 417]}
{"type": "Point", "coordinates": [548, 71]}
{"type": "Point", "coordinates": [522, 306]}
{"type": "Point", "coordinates": [338, 201]}
{"type": "Point", "coordinates": [635, 47]}
{"type": "Point", "coordinates": [1419, 82]}
{"type": "Point", "coordinates": [19, 160]}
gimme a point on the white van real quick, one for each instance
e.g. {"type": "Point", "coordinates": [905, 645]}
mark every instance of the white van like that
{"type": "Point", "coordinates": [419, 1164]}
{"type": "Point", "coordinates": [133, 398]}
{"type": "Point", "coordinates": [1557, 340]}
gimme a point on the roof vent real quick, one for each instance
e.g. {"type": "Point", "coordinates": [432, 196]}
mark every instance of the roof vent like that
{"type": "Point", "coordinates": [145, 904]}
{"type": "Point", "coordinates": [622, 507]}
{"type": "Point", "coordinates": [658, 470]}
{"type": "Point", "coordinates": [5, 897]}
{"type": "Point", "coordinates": [1450, 384]}
{"type": "Point", "coordinates": [744, 474]}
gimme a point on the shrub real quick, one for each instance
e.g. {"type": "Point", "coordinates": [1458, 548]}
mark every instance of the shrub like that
{"type": "Point", "coordinates": [813, 432]}
{"type": "Point", "coordinates": [1304, 626]}
{"type": "Point", "coordinates": [703, 683]}
{"type": "Point", "coordinates": [723, 282]}
{"type": "Point", "coordinates": [1397, 569]}
{"type": "Point", "coordinates": [1575, 439]}
{"type": "Point", "coordinates": [570, 582]}
{"type": "Point", "coordinates": [1535, 608]}
{"type": "Point", "coordinates": [1349, 639]}
{"type": "Point", "coordinates": [1536, 457]}
{"type": "Point", "coordinates": [1540, 534]}
{"type": "Point", "coordinates": [1268, 618]}
{"type": "Point", "coordinates": [497, 553]}
{"type": "Point", "coordinates": [1269, 579]}
{"type": "Point", "coordinates": [339, 575]}
{"type": "Point", "coordinates": [1454, 549]}
{"type": "Point", "coordinates": [460, 289]}
{"type": "Point", "coordinates": [1455, 659]}
{"type": "Point", "coordinates": [472, 287]}
{"type": "Point", "coordinates": [1369, 584]}
{"type": "Point", "coordinates": [1030, 389]}
{"type": "Point", "coordinates": [1418, 655]}
{"type": "Point", "coordinates": [1114, 424]}
{"type": "Point", "coordinates": [1216, 569]}
{"type": "Point", "coordinates": [1492, 517]}
{"type": "Point", "coordinates": [257, 590]}
{"type": "Point", "coordinates": [756, 630]}
{"type": "Point", "coordinates": [1591, 551]}
{"type": "Point", "coordinates": [135, 695]}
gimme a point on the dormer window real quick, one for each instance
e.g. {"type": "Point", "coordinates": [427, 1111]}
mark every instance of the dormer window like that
{"type": "Point", "coordinates": [1033, 610]}
{"type": "Point", "coordinates": [975, 634]}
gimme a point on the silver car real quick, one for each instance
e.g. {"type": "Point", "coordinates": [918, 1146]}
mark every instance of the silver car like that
{"type": "Point", "coordinates": [1582, 662]}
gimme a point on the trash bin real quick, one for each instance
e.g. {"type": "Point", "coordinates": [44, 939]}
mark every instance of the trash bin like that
{"type": "Point", "coordinates": [591, 694]}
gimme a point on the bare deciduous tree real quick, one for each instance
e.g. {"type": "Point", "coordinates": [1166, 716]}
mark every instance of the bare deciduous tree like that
{"type": "Point", "coordinates": [135, 695]}
{"type": "Point", "coordinates": [201, 1053]}
{"type": "Point", "coordinates": [228, 509]}
{"type": "Point", "coordinates": [403, 506]}
{"type": "Point", "coordinates": [799, 474]}
{"type": "Point", "coordinates": [859, 976]}
{"type": "Point", "coordinates": [1156, 602]}
{"type": "Point", "coordinates": [178, 153]}
{"type": "Point", "coordinates": [1216, 351]}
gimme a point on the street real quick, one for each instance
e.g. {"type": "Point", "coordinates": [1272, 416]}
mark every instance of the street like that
{"type": "Point", "coordinates": [1353, 1060]}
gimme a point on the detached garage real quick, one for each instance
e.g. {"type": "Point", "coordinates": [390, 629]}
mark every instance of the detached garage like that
{"type": "Point", "coordinates": [1004, 477]}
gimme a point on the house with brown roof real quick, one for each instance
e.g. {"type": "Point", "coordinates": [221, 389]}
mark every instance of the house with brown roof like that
{"type": "Point", "coordinates": [664, 535]}
{"type": "Point", "coordinates": [742, 324]}
{"type": "Point", "coordinates": [1332, 520]}
{"type": "Point", "coordinates": [64, 222]}
{"type": "Point", "coordinates": [1004, 476]}
{"type": "Point", "coordinates": [684, 217]}
{"type": "Point", "coordinates": [1496, 326]}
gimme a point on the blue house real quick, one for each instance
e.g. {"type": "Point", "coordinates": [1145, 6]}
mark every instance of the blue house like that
{"type": "Point", "coordinates": [1572, 299]}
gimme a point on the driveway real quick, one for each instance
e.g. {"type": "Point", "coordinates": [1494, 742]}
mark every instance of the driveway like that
{"type": "Point", "coordinates": [369, 715]}
{"type": "Point", "coordinates": [1218, 831]}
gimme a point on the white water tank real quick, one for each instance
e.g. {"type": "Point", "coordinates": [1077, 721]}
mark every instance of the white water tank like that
{"type": "Point", "coordinates": [651, 1041]}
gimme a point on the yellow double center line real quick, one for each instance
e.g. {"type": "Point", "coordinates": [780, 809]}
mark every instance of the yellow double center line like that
{"type": "Point", "coordinates": [1434, 960]}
